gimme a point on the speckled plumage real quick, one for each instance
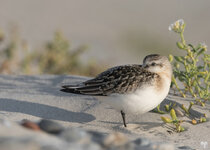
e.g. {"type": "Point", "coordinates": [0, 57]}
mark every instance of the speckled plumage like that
{"type": "Point", "coordinates": [130, 88]}
{"type": "Point", "coordinates": [121, 79]}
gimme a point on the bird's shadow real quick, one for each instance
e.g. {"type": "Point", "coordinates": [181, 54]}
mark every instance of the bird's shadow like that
{"type": "Point", "coordinates": [44, 111]}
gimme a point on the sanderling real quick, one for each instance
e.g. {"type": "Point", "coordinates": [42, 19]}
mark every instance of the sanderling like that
{"type": "Point", "coordinates": [130, 88]}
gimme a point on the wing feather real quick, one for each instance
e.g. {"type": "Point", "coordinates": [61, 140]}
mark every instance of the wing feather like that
{"type": "Point", "coordinates": [121, 79]}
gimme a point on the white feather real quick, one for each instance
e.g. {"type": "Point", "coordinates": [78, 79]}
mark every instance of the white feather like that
{"type": "Point", "coordinates": [141, 101]}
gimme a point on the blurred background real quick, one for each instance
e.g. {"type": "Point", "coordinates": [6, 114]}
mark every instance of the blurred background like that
{"type": "Point", "coordinates": [85, 37]}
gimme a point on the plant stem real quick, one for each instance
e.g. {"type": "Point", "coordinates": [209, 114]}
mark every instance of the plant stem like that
{"type": "Point", "coordinates": [182, 39]}
{"type": "Point", "coordinates": [175, 83]}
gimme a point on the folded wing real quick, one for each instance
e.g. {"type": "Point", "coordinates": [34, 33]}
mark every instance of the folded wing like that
{"type": "Point", "coordinates": [121, 79]}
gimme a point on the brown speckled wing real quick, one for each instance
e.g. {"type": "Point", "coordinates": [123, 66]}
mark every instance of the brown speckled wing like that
{"type": "Point", "coordinates": [120, 79]}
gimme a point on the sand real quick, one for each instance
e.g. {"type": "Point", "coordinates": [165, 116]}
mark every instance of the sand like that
{"type": "Point", "coordinates": [35, 97]}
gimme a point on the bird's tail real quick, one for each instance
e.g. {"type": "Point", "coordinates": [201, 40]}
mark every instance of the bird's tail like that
{"type": "Point", "coordinates": [70, 89]}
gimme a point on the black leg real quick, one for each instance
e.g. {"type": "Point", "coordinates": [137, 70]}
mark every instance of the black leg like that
{"type": "Point", "coordinates": [123, 117]}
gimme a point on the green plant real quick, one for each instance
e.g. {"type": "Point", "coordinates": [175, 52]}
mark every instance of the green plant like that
{"type": "Point", "coordinates": [174, 121]}
{"type": "Point", "coordinates": [10, 53]}
{"type": "Point", "coordinates": [192, 69]}
{"type": "Point", "coordinates": [187, 111]}
{"type": "Point", "coordinates": [56, 57]}
{"type": "Point", "coordinates": [157, 110]}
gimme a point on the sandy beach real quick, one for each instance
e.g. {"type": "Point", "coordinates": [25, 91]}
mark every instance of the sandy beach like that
{"type": "Point", "coordinates": [37, 97]}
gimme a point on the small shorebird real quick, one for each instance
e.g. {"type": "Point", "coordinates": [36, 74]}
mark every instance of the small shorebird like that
{"type": "Point", "coordinates": [130, 88]}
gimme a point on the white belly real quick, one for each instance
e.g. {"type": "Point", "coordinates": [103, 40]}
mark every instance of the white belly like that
{"type": "Point", "coordinates": [139, 102]}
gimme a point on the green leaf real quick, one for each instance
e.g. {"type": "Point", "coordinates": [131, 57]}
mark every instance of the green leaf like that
{"type": "Point", "coordinates": [200, 68]}
{"type": "Point", "coordinates": [182, 129]}
{"type": "Point", "coordinates": [180, 45]}
{"type": "Point", "coordinates": [166, 120]}
{"type": "Point", "coordinates": [173, 114]}
{"type": "Point", "coordinates": [200, 52]}
{"type": "Point", "coordinates": [167, 108]}
{"type": "Point", "coordinates": [193, 48]}
{"type": "Point", "coordinates": [179, 59]}
{"type": "Point", "coordinates": [181, 78]}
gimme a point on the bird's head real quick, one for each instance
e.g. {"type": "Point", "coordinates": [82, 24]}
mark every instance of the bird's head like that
{"type": "Point", "coordinates": [157, 64]}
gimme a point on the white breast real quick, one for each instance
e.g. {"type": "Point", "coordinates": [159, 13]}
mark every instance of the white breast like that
{"type": "Point", "coordinates": [143, 100]}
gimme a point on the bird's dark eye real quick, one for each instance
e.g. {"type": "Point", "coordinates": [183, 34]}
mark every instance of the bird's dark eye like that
{"type": "Point", "coordinates": [153, 64]}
